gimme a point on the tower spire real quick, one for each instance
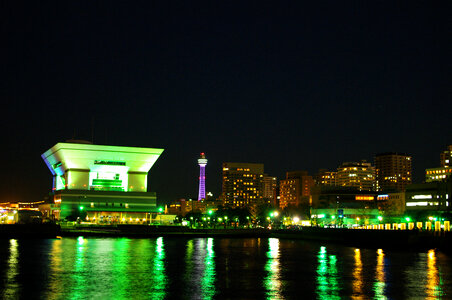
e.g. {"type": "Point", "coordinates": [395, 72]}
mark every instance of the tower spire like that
{"type": "Point", "coordinates": [202, 162]}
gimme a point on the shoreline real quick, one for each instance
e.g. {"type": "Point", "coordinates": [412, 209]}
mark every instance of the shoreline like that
{"type": "Point", "coordinates": [405, 240]}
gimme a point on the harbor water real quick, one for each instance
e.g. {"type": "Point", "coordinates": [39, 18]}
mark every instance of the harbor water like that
{"type": "Point", "coordinates": [216, 268]}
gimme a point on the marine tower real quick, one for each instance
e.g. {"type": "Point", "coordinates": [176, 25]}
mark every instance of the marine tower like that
{"type": "Point", "coordinates": [202, 162]}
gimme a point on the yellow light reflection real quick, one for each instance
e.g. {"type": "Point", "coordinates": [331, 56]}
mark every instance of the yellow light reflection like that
{"type": "Point", "coordinates": [55, 267]}
{"type": "Point", "coordinates": [358, 276]}
{"type": "Point", "coordinates": [380, 284]}
{"type": "Point", "coordinates": [433, 286]}
{"type": "Point", "coordinates": [11, 285]}
{"type": "Point", "coordinates": [272, 281]}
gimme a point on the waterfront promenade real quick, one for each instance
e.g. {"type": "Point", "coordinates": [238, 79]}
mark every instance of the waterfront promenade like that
{"type": "Point", "coordinates": [389, 239]}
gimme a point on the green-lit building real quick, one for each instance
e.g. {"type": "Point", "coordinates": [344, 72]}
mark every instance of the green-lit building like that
{"type": "Point", "coordinates": [101, 183]}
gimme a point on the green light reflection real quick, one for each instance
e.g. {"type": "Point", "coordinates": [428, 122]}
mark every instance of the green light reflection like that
{"type": "Point", "coordinates": [158, 278]}
{"type": "Point", "coordinates": [200, 269]}
{"type": "Point", "coordinates": [208, 280]}
{"type": "Point", "coordinates": [119, 266]}
{"type": "Point", "coordinates": [327, 283]}
{"type": "Point", "coordinates": [272, 281]}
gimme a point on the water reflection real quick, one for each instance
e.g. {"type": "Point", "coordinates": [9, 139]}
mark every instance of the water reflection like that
{"type": "Point", "coordinates": [11, 285]}
{"type": "Point", "coordinates": [208, 281]}
{"type": "Point", "coordinates": [200, 268]}
{"type": "Point", "coordinates": [272, 281]}
{"type": "Point", "coordinates": [434, 285]}
{"type": "Point", "coordinates": [327, 283]}
{"type": "Point", "coordinates": [358, 276]}
{"type": "Point", "coordinates": [119, 265]}
{"type": "Point", "coordinates": [158, 276]}
{"type": "Point", "coordinates": [380, 281]}
{"type": "Point", "coordinates": [208, 268]}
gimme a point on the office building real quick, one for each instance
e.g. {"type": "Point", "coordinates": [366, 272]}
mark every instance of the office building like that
{"type": "Point", "coordinates": [295, 190]}
{"type": "Point", "coordinates": [270, 189]}
{"type": "Point", "coordinates": [442, 173]}
{"type": "Point", "coordinates": [393, 171]}
{"type": "Point", "coordinates": [325, 177]}
{"type": "Point", "coordinates": [358, 175]}
{"type": "Point", "coordinates": [429, 197]}
{"type": "Point", "coordinates": [243, 184]}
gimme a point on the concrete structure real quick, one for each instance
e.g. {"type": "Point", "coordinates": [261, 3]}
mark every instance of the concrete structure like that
{"type": "Point", "coordinates": [295, 190]}
{"type": "Point", "coordinates": [242, 184]}
{"type": "Point", "coordinates": [393, 171]}
{"type": "Point", "coordinates": [359, 175]}
{"type": "Point", "coordinates": [107, 183]}
{"type": "Point", "coordinates": [202, 162]}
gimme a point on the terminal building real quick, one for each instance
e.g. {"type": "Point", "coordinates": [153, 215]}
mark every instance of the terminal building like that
{"type": "Point", "coordinates": [99, 183]}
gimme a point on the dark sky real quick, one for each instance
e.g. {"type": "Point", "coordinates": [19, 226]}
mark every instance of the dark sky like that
{"type": "Point", "coordinates": [293, 86]}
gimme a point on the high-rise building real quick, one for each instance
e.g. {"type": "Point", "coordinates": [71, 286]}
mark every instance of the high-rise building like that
{"type": "Point", "coordinates": [202, 162]}
{"type": "Point", "coordinates": [446, 157]}
{"type": "Point", "coordinates": [393, 171]}
{"type": "Point", "coordinates": [105, 183]}
{"type": "Point", "coordinates": [270, 188]}
{"type": "Point", "coordinates": [295, 190]}
{"type": "Point", "coordinates": [359, 175]}
{"type": "Point", "coordinates": [242, 184]}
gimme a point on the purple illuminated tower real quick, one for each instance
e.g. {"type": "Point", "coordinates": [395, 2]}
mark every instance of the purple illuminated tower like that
{"type": "Point", "coordinates": [202, 162]}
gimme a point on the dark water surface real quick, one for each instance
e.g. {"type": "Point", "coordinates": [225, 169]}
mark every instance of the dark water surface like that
{"type": "Point", "coordinates": [205, 268]}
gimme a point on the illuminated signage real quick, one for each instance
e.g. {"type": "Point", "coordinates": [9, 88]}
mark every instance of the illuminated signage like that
{"type": "Point", "coordinates": [367, 198]}
{"type": "Point", "coordinates": [382, 197]}
{"type": "Point", "coordinates": [109, 163]}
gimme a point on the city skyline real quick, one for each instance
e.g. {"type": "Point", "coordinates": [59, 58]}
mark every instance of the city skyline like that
{"type": "Point", "coordinates": [295, 87]}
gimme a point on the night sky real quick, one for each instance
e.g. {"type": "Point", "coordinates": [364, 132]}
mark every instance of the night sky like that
{"type": "Point", "coordinates": [296, 87]}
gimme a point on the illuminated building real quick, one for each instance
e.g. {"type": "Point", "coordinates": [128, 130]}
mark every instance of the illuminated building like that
{"type": "Point", "coordinates": [325, 177]}
{"type": "Point", "coordinates": [437, 174]}
{"type": "Point", "coordinates": [446, 157]}
{"type": "Point", "coordinates": [359, 175]}
{"type": "Point", "coordinates": [295, 190]}
{"type": "Point", "coordinates": [343, 204]}
{"type": "Point", "coordinates": [442, 173]}
{"type": "Point", "coordinates": [107, 183]}
{"type": "Point", "coordinates": [202, 162]}
{"type": "Point", "coordinates": [270, 188]}
{"type": "Point", "coordinates": [430, 196]}
{"type": "Point", "coordinates": [242, 184]}
{"type": "Point", "coordinates": [393, 171]}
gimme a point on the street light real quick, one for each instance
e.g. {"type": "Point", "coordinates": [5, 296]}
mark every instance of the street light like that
{"type": "Point", "coordinates": [380, 218]}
